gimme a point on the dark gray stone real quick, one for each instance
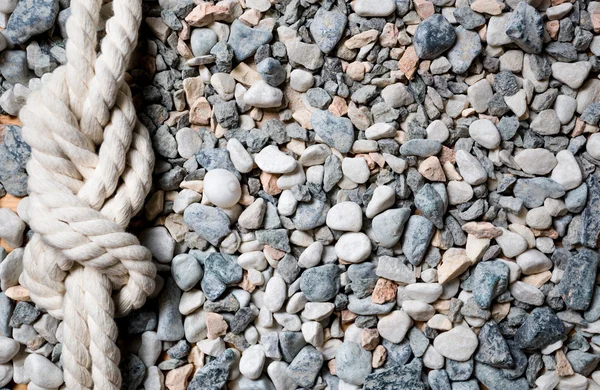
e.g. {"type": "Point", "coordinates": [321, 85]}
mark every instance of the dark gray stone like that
{"type": "Point", "coordinates": [421, 147]}
{"type": "Point", "coordinates": [489, 281]}
{"type": "Point", "coordinates": [590, 218]}
{"type": "Point", "coordinates": [211, 223]}
{"type": "Point", "coordinates": [310, 215]}
{"type": "Point", "coordinates": [438, 379]}
{"type": "Point", "coordinates": [406, 377]}
{"type": "Point", "coordinates": [327, 28]}
{"type": "Point", "coordinates": [24, 313]}
{"type": "Point", "coordinates": [217, 159]}
{"type": "Point", "coordinates": [336, 131]}
{"type": "Point", "coordinates": [418, 234]}
{"type": "Point", "coordinates": [220, 270]}
{"type": "Point", "coordinates": [397, 354]}
{"type": "Point", "coordinates": [241, 320]}
{"type": "Point", "coordinates": [244, 40]}
{"type": "Point", "coordinates": [459, 371]}
{"type": "Point", "coordinates": [493, 349]}
{"type": "Point", "coordinates": [305, 367]}
{"type": "Point", "coordinates": [493, 379]}
{"type": "Point", "coordinates": [577, 284]}
{"type": "Point", "coordinates": [226, 115]}
{"type": "Point", "coordinates": [276, 238]}
{"type": "Point", "coordinates": [213, 376]}
{"type": "Point", "coordinates": [433, 36]}
{"type": "Point", "coordinates": [291, 343]}
{"type": "Point", "coordinates": [320, 284]}
{"type": "Point", "coordinates": [431, 205]}
{"type": "Point", "coordinates": [132, 372]}
{"type": "Point", "coordinates": [271, 71]}
{"type": "Point", "coordinates": [526, 28]}
{"type": "Point", "coordinates": [319, 98]}
{"type": "Point", "coordinates": [541, 328]}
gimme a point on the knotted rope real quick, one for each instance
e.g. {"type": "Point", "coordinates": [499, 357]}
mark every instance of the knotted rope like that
{"type": "Point", "coordinates": [90, 170]}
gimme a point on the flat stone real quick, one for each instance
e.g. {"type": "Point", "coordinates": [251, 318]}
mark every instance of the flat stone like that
{"type": "Point", "coordinates": [421, 147]}
{"type": "Point", "coordinates": [368, 8]}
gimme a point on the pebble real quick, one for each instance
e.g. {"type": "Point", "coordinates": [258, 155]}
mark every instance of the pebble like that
{"type": "Point", "coordinates": [458, 344]}
{"type": "Point", "coordinates": [202, 41]}
{"type": "Point", "coordinates": [320, 284]}
{"type": "Point", "coordinates": [417, 235]}
{"type": "Point", "coordinates": [210, 223]}
{"type": "Point", "coordinates": [27, 20]}
{"type": "Point", "coordinates": [159, 242]}
{"type": "Point", "coordinates": [433, 36]}
{"type": "Point", "coordinates": [305, 367]}
{"type": "Point", "coordinates": [536, 161]}
{"type": "Point", "coordinates": [353, 363]}
{"type": "Point", "coordinates": [11, 228]}
{"type": "Point", "coordinates": [367, 8]}
{"type": "Point", "coordinates": [222, 188]}
{"type": "Point", "coordinates": [485, 133]}
{"type": "Point", "coordinates": [572, 74]}
{"type": "Point", "coordinates": [252, 362]}
{"type": "Point", "coordinates": [8, 349]}
{"type": "Point", "coordinates": [470, 168]}
{"type": "Point", "coordinates": [245, 40]}
{"type": "Point", "coordinates": [526, 28]}
{"type": "Point", "coordinates": [567, 172]}
{"type": "Point", "coordinates": [42, 372]}
{"type": "Point", "coordinates": [336, 132]}
{"type": "Point", "coordinates": [353, 247]}
{"type": "Point", "coordinates": [345, 216]}
{"type": "Point", "coordinates": [328, 27]}
{"type": "Point", "coordinates": [262, 95]}
{"type": "Point", "coordinates": [466, 48]}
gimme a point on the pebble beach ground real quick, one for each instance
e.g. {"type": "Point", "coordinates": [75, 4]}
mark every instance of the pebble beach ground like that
{"type": "Point", "coordinates": [377, 195]}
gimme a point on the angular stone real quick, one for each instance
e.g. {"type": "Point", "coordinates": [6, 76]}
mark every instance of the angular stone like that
{"type": "Point", "coordinates": [489, 281]}
{"type": "Point", "coordinates": [526, 28]}
{"type": "Point", "coordinates": [244, 40]}
{"type": "Point", "coordinates": [493, 349]}
{"type": "Point", "coordinates": [433, 36]}
{"type": "Point", "coordinates": [418, 234]}
{"type": "Point", "coordinates": [337, 132]}
{"type": "Point", "coordinates": [327, 28]}
{"type": "Point", "coordinates": [577, 284]}
{"type": "Point", "coordinates": [541, 328]}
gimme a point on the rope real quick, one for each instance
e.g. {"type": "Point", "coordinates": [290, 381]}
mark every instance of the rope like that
{"type": "Point", "coordinates": [89, 173]}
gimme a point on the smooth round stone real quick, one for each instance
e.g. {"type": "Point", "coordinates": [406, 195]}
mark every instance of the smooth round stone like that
{"type": "Point", "coordinates": [380, 130]}
{"type": "Point", "coordinates": [159, 242]}
{"type": "Point", "coordinates": [43, 372]}
{"type": "Point", "coordinates": [353, 247]}
{"type": "Point", "coordinates": [433, 36]}
{"type": "Point", "coordinates": [262, 95]}
{"type": "Point", "coordinates": [374, 8]}
{"type": "Point", "coordinates": [275, 294]}
{"type": "Point", "coordinates": [397, 95]}
{"type": "Point", "coordinates": [8, 349]}
{"type": "Point", "coordinates": [301, 80]}
{"type": "Point", "coordinates": [417, 310]}
{"type": "Point", "coordinates": [394, 326]}
{"type": "Point", "coordinates": [252, 361]}
{"type": "Point", "coordinates": [345, 216]}
{"type": "Point", "coordinates": [470, 168]}
{"type": "Point", "coordinates": [458, 344]}
{"type": "Point", "coordinates": [222, 188]}
{"type": "Point", "coordinates": [567, 172]}
{"type": "Point", "coordinates": [527, 293]}
{"type": "Point", "coordinates": [239, 156]}
{"type": "Point", "coordinates": [186, 271]}
{"type": "Point", "coordinates": [537, 161]}
{"type": "Point", "coordinates": [311, 255]}
{"type": "Point", "coordinates": [539, 218]}
{"type": "Point", "coordinates": [202, 40]}
{"type": "Point", "coordinates": [6, 374]}
{"type": "Point", "coordinates": [565, 107]}
{"type": "Point", "coordinates": [593, 146]}
{"type": "Point", "coordinates": [485, 133]}
{"type": "Point", "coordinates": [189, 142]}
{"type": "Point", "coordinates": [273, 160]}
{"type": "Point", "coordinates": [533, 261]}
{"type": "Point", "coordinates": [356, 169]}
{"type": "Point", "coordinates": [437, 130]}
{"type": "Point", "coordinates": [512, 244]}
{"type": "Point", "coordinates": [314, 155]}
{"type": "Point", "coordinates": [424, 292]}
{"type": "Point", "coordinates": [459, 192]}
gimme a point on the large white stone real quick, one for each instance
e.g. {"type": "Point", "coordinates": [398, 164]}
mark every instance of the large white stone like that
{"type": "Point", "coordinates": [222, 188]}
{"type": "Point", "coordinates": [458, 344]}
{"type": "Point", "coordinates": [353, 247]}
{"type": "Point", "coordinates": [345, 216]}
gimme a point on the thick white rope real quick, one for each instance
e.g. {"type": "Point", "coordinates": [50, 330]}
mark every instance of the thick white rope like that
{"type": "Point", "coordinates": [90, 170]}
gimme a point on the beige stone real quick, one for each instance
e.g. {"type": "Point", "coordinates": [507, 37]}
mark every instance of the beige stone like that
{"type": "Point", "coordinates": [385, 291]}
{"type": "Point", "coordinates": [482, 229]}
{"type": "Point", "coordinates": [200, 112]}
{"type": "Point", "coordinates": [452, 267]}
{"type": "Point", "coordinates": [177, 379]}
{"type": "Point", "coordinates": [362, 39]}
{"type": "Point", "coordinates": [432, 170]}
{"type": "Point", "coordinates": [490, 7]}
{"type": "Point", "coordinates": [408, 62]}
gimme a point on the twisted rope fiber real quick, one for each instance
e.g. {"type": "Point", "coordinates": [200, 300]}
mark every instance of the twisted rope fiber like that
{"type": "Point", "coordinates": [90, 170]}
